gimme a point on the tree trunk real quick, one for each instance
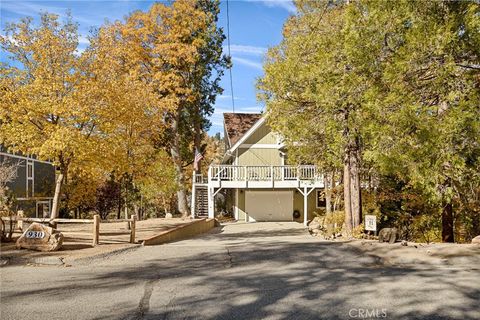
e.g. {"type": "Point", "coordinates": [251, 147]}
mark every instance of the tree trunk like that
{"type": "Point", "coordinates": [136, 211]}
{"type": "Point", "coordinates": [355, 190]}
{"type": "Point", "coordinates": [56, 197]}
{"type": "Point", "coordinates": [328, 194]}
{"type": "Point", "coordinates": [351, 187]}
{"type": "Point", "coordinates": [182, 202]}
{"type": "Point", "coordinates": [180, 175]}
{"type": "Point", "coordinates": [447, 223]}
{"type": "Point", "coordinates": [126, 208]}
{"type": "Point", "coordinates": [125, 201]}
{"type": "Point", "coordinates": [347, 198]}
{"type": "Point", "coordinates": [119, 201]}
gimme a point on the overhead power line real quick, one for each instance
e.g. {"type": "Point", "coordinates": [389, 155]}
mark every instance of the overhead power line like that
{"type": "Point", "coordinates": [230, 69]}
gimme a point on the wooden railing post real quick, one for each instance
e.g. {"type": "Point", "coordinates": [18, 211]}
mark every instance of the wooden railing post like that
{"type": "Point", "coordinates": [272, 178]}
{"type": "Point", "coordinates": [133, 226]}
{"type": "Point", "coordinates": [96, 230]}
{"type": "Point", "coordinates": [20, 216]}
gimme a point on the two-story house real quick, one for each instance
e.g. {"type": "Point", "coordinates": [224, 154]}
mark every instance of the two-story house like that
{"type": "Point", "coordinates": [34, 184]}
{"type": "Point", "coordinates": [255, 171]}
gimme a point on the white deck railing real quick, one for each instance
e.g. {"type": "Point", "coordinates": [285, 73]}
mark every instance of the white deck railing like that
{"type": "Point", "coordinates": [264, 173]}
{"type": "Point", "coordinates": [200, 179]}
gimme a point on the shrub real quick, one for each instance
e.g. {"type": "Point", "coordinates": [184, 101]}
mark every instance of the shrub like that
{"type": "Point", "coordinates": [426, 228]}
{"type": "Point", "coordinates": [334, 221]}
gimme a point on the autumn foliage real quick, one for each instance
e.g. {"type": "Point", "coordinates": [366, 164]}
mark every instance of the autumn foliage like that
{"type": "Point", "coordinates": [118, 109]}
{"type": "Point", "coordinates": [385, 96]}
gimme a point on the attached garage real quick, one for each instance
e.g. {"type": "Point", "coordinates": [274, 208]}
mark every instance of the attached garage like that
{"type": "Point", "coordinates": [269, 205]}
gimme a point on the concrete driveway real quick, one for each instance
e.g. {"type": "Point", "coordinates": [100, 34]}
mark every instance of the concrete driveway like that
{"type": "Point", "coordinates": [241, 271]}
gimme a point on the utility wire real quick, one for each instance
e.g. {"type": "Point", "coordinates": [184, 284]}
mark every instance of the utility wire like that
{"type": "Point", "coordinates": [230, 69]}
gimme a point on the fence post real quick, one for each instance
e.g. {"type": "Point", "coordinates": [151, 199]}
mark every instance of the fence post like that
{"type": "Point", "coordinates": [19, 221]}
{"type": "Point", "coordinates": [96, 229]}
{"type": "Point", "coordinates": [133, 226]}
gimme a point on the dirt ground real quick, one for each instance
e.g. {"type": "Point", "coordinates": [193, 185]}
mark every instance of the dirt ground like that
{"type": "Point", "coordinates": [447, 254]}
{"type": "Point", "coordinates": [114, 237]}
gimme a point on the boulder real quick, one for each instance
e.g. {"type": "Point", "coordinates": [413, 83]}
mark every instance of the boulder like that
{"type": "Point", "coordinates": [476, 240]}
{"type": "Point", "coordinates": [168, 215]}
{"type": "Point", "coordinates": [389, 235]}
{"type": "Point", "coordinates": [314, 226]}
{"type": "Point", "coordinates": [41, 238]}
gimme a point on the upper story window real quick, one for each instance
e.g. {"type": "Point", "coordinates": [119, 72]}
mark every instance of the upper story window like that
{"type": "Point", "coordinates": [30, 177]}
{"type": "Point", "coordinates": [30, 170]}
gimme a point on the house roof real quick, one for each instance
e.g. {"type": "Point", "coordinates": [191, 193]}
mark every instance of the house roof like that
{"type": "Point", "coordinates": [238, 124]}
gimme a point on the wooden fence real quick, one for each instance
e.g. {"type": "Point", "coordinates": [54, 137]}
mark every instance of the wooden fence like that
{"type": "Point", "coordinates": [19, 219]}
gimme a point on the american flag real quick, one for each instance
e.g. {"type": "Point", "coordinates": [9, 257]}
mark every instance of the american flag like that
{"type": "Point", "coordinates": [198, 157]}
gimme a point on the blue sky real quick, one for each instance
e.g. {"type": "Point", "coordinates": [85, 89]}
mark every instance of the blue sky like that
{"type": "Point", "coordinates": [254, 27]}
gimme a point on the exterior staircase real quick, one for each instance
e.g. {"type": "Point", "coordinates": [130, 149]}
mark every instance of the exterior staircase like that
{"type": "Point", "coordinates": [201, 201]}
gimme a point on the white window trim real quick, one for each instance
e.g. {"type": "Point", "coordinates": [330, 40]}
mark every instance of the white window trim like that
{"type": "Point", "coordinates": [32, 178]}
{"type": "Point", "coordinates": [22, 157]}
{"type": "Point", "coordinates": [35, 198]}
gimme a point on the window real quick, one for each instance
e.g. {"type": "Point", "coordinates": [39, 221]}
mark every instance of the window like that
{"type": "Point", "coordinates": [29, 188]}
{"type": "Point", "coordinates": [30, 170]}
{"type": "Point", "coordinates": [320, 200]}
{"type": "Point", "coordinates": [30, 177]}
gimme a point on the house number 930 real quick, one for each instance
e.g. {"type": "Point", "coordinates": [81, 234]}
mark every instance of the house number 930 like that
{"type": "Point", "coordinates": [35, 234]}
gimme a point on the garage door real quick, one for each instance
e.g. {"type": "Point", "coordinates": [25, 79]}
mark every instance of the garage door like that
{"type": "Point", "coordinates": [269, 205]}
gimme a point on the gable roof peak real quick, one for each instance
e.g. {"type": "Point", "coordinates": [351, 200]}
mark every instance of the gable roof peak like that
{"type": "Point", "coordinates": [238, 124]}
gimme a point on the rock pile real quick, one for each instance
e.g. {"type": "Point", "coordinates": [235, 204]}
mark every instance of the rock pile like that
{"type": "Point", "coordinates": [315, 227]}
{"type": "Point", "coordinates": [476, 240]}
{"type": "Point", "coordinates": [389, 235]}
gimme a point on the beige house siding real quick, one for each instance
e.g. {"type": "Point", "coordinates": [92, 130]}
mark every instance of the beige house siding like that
{"type": "Point", "coordinates": [256, 155]}
{"type": "Point", "coordinates": [259, 157]}
{"type": "Point", "coordinates": [241, 205]}
{"type": "Point", "coordinates": [262, 135]}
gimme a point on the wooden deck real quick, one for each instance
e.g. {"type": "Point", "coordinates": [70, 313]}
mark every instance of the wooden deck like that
{"type": "Point", "coordinates": [233, 176]}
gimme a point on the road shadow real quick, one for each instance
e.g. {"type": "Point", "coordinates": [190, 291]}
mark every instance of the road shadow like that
{"type": "Point", "coordinates": [278, 280]}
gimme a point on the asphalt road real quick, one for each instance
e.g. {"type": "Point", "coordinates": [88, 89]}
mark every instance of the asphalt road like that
{"type": "Point", "coordinates": [241, 271]}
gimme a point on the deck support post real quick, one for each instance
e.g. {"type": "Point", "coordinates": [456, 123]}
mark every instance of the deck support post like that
{"type": "Point", "coordinates": [192, 209]}
{"type": "Point", "coordinates": [305, 206]}
{"type": "Point", "coordinates": [272, 177]}
{"type": "Point", "coordinates": [236, 204]}
{"type": "Point", "coordinates": [211, 202]}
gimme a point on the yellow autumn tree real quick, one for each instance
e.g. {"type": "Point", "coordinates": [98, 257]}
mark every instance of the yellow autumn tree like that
{"type": "Point", "coordinates": [149, 71]}
{"type": "Point", "coordinates": [168, 51]}
{"type": "Point", "coordinates": [126, 99]}
{"type": "Point", "coordinates": [41, 112]}
{"type": "Point", "coordinates": [156, 184]}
